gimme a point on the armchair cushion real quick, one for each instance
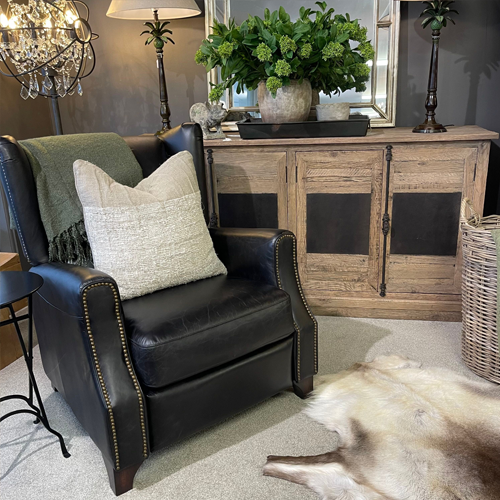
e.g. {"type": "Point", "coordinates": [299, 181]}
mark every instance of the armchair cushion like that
{"type": "Point", "coordinates": [183, 331]}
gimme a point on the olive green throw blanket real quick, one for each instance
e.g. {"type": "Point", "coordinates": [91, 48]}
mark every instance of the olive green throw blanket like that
{"type": "Point", "coordinates": [496, 236]}
{"type": "Point", "coordinates": [51, 160]}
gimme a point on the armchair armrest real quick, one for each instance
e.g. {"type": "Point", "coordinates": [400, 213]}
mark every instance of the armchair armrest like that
{"type": "Point", "coordinates": [270, 256]}
{"type": "Point", "coordinates": [65, 283]}
{"type": "Point", "coordinates": [84, 351]}
{"type": "Point", "coordinates": [250, 253]}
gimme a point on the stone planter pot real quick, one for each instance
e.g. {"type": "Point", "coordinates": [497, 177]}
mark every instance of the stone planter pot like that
{"type": "Point", "coordinates": [333, 111]}
{"type": "Point", "coordinates": [292, 103]}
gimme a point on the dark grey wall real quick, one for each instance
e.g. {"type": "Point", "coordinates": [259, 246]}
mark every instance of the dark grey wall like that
{"type": "Point", "coordinates": [122, 94]}
{"type": "Point", "coordinates": [469, 74]}
{"type": "Point", "coordinates": [469, 80]}
{"type": "Point", "coordinates": [21, 119]}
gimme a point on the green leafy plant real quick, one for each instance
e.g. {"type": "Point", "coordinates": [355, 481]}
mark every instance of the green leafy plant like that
{"type": "Point", "coordinates": [216, 93]}
{"type": "Point", "coordinates": [330, 50]}
{"type": "Point", "coordinates": [438, 14]}
{"type": "Point", "coordinates": [157, 33]}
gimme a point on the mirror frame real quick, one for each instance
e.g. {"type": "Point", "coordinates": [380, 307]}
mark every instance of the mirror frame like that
{"type": "Point", "coordinates": [387, 119]}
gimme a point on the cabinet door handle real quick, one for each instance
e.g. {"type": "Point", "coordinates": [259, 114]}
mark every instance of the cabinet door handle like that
{"type": "Point", "coordinates": [386, 220]}
{"type": "Point", "coordinates": [386, 224]}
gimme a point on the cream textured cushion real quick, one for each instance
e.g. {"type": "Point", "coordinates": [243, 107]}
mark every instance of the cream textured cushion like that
{"type": "Point", "coordinates": [152, 236]}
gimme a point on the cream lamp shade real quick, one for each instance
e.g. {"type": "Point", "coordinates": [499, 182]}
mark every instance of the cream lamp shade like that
{"type": "Point", "coordinates": [143, 9]}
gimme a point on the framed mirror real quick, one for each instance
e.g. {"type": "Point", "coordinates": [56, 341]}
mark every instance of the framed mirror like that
{"type": "Point", "coordinates": [381, 17]}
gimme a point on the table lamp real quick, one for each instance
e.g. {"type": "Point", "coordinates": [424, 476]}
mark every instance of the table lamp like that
{"type": "Point", "coordinates": [437, 16]}
{"type": "Point", "coordinates": [156, 10]}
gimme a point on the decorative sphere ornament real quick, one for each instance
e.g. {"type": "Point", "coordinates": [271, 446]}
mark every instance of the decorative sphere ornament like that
{"type": "Point", "coordinates": [46, 46]}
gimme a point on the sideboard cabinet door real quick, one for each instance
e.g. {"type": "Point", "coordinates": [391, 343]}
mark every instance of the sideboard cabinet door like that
{"type": "Point", "coordinates": [425, 192]}
{"type": "Point", "coordinates": [338, 211]}
{"type": "Point", "coordinates": [251, 187]}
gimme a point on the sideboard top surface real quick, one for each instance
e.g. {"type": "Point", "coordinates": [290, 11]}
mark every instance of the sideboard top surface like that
{"type": "Point", "coordinates": [374, 136]}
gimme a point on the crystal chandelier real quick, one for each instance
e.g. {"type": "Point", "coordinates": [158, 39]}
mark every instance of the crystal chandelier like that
{"type": "Point", "coordinates": [46, 45]}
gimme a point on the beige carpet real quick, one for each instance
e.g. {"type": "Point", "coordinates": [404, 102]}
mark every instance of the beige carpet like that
{"type": "Point", "coordinates": [222, 463]}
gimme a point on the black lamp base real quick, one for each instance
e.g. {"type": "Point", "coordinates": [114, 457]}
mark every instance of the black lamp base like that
{"type": "Point", "coordinates": [164, 129]}
{"type": "Point", "coordinates": [164, 107]}
{"type": "Point", "coordinates": [430, 127]}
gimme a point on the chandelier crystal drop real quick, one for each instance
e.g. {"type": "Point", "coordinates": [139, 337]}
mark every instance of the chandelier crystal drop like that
{"type": "Point", "coordinates": [46, 45]}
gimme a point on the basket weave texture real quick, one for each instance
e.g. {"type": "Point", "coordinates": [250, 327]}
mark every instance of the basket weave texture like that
{"type": "Point", "coordinates": [480, 349]}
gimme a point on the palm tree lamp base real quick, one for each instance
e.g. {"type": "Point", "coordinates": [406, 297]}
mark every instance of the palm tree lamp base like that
{"type": "Point", "coordinates": [157, 34]}
{"type": "Point", "coordinates": [437, 12]}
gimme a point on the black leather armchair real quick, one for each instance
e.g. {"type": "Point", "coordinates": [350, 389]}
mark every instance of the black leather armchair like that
{"type": "Point", "coordinates": [144, 373]}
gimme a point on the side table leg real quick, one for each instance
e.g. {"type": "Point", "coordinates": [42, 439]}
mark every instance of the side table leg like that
{"type": "Point", "coordinates": [28, 358]}
{"type": "Point", "coordinates": [30, 351]}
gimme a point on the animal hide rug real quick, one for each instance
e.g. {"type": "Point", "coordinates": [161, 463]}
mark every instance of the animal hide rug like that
{"type": "Point", "coordinates": [405, 433]}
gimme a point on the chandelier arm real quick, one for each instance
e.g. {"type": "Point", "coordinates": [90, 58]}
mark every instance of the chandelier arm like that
{"type": "Point", "coordinates": [76, 77]}
{"type": "Point", "coordinates": [86, 8]}
{"type": "Point", "coordinates": [93, 63]}
{"type": "Point", "coordinates": [81, 70]}
{"type": "Point", "coordinates": [41, 66]}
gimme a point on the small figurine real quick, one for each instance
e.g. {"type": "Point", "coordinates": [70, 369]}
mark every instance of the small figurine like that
{"type": "Point", "coordinates": [209, 115]}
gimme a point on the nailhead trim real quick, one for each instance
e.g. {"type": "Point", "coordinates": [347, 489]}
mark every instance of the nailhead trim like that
{"type": "Point", "coordinates": [299, 285]}
{"type": "Point", "coordinates": [19, 232]}
{"type": "Point", "coordinates": [297, 329]}
{"type": "Point", "coordinates": [127, 363]}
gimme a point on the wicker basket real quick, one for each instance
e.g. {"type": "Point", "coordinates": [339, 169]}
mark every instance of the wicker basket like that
{"type": "Point", "coordinates": [479, 294]}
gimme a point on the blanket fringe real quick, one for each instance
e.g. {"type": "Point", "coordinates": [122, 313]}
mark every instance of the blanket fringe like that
{"type": "Point", "coordinates": [71, 246]}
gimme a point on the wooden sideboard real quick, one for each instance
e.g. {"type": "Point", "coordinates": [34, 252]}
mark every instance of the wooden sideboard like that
{"type": "Point", "coordinates": [376, 217]}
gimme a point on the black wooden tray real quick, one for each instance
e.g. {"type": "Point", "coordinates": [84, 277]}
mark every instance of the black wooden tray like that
{"type": "Point", "coordinates": [254, 128]}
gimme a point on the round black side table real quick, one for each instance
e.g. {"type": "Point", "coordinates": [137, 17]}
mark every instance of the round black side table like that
{"type": "Point", "coordinates": [15, 286]}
